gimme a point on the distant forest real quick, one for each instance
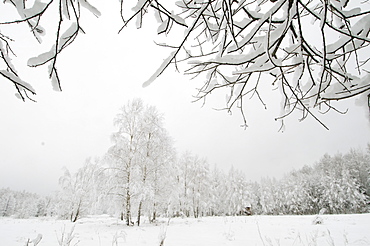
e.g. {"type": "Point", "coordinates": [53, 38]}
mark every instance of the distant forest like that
{"type": "Point", "coordinates": [143, 177]}
{"type": "Point", "coordinates": [189, 187]}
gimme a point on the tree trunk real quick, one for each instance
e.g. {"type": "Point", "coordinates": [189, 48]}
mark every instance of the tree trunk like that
{"type": "Point", "coordinates": [75, 217]}
{"type": "Point", "coordinates": [154, 216]}
{"type": "Point", "coordinates": [139, 212]}
{"type": "Point", "coordinates": [154, 213]}
{"type": "Point", "coordinates": [6, 207]}
{"type": "Point", "coordinates": [128, 197]}
{"type": "Point", "coordinates": [128, 208]}
{"type": "Point", "coordinates": [196, 211]}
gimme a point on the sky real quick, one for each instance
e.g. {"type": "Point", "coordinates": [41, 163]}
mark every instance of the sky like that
{"type": "Point", "coordinates": [102, 70]}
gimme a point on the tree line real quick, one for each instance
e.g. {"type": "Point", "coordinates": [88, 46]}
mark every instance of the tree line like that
{"type": "Point", "coordinates": [141, 176]}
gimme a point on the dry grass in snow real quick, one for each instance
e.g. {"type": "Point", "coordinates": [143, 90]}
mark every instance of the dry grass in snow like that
{"type": "Point", "coordinates": [253, 230]}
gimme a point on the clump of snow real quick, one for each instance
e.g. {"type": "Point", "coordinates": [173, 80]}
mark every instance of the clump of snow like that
{"type": "Point", "coordinates": [160, 70]}
{"type": "Point", "coordinates": [89, 7]}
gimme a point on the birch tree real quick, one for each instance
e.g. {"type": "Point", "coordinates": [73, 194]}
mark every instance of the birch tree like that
{"type": "Point", "coordinates": [218, 192]}
{"type": "Point", "coordinates": [141, 150]}
{"type": "Point", "coordinates": [201, 185]}
{"type": "Point", "coordinates": [193, 185]}
{"type": "Point", "coordinates": [123, 155]}
{"type": "Point", "coordinates": [156, 152]}
{"type": "Point", "coordinates": [78, 190]}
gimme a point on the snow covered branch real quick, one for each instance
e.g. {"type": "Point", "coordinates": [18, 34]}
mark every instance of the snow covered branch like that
{"type": "Point", "coordinates": [313, 51]}
{"type": "Point", "coordinates": [53, 37]}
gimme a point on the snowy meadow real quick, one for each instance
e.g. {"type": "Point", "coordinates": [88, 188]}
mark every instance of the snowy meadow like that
{"type": "Point", "coordinates": [142, 192]}
{"type": "Point", "coordinates": [221, 230]}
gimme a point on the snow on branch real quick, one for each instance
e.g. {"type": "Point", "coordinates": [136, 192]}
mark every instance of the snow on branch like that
{"type": "Point", "coordinates": [313, 51]}
{"type": "Point", "coordinates": [19, 12]}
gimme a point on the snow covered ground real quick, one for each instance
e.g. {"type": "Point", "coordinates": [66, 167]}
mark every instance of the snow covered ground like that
{"type": "Point", "coordinates": [252, 230]}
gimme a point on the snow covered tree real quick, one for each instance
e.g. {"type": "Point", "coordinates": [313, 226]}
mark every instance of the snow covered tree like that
{"type": "Point", "coordinates": [26, 204]}
{"type": "Point", "coordinates": [236, 194]}
{"type": "Point", "coordinates": [336, 183]}
{"type": "Point", "coordinates": [191, 176]}
{"type": "Point", "coordinates": [141, 151]}
{"type": "Point", "coordinates": [45, 206]}
{"type": "Point", "coordinates": [300, 191]}
{"type": "Point", "coordinates": [358, 163]}
{"type": "Point", "coordinates": [23, 204]}
{"type": "Point", "coordinates": [7, 202]}
{"type": "Point", "coordinates": [217, 192]}
{"type": "Point", "coordinates": [123, 155]}
{"type": "Point", "coordinates": [342, 191]}
{"type": "Point", "coordinates": [270, 200]}
{"type": "Point", "coordinates": [341, 195]}
{"type": "Point", "coordinates": [78, 190]}
{"type": "Point", "coordinates": [156, 153]}
{"type": "Point", "coordinates": [184, 175]}
{"type": "Point", "coordinates": [200, 187]}
{"type": "Point", "coordinates": [237, 45]}
{"type": "Point", "coordinates": [163, 185]}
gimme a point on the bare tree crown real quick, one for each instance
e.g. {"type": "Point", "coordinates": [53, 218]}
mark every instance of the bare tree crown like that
{"type": "Point", "coordinates": [312, 51]}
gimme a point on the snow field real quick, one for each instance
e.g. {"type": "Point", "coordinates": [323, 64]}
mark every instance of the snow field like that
{"type": "Point", "coordinates": [252, 230]}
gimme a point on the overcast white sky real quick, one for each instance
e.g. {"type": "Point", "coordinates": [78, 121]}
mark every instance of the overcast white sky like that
{"type": "Point", "coordinates": [101, 71]}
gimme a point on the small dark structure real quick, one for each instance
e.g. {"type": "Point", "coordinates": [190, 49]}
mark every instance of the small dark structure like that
{"type": "Point", "coordinates": [247, 210]}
